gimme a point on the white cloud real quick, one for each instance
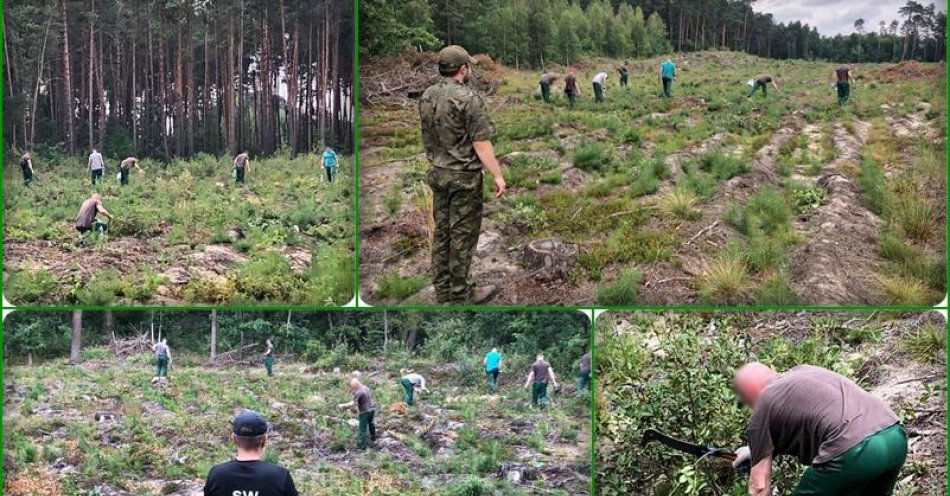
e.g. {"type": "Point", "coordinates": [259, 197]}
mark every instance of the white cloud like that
{"type": "Point", "coordinates": [833, 17]}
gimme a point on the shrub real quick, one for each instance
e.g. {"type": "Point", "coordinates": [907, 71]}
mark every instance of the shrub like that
{"type": "Point", "coordinates": [872, 181]}
{"type": "Point", "coordinates": [766, 210]}
{"type": "Point", "coordinates": [623, 291]}
{"type": "Point", "coordinates": [591, 156]}
{"type": "Point", "coordinates": [680, 203]}
{"type": "Point", "coordinates": [724, 280]}
{"type": "Point", "coordinates": [722, 166]}
{"type": "Point", "coordinates": [928, 344]}
{"type": "Point", "coordinates": [899, 290]}
{"type": "Point", "coordinates": [397, 287]}
{"type": "Point", "coordinates": [24, 287]}
{"type": "Point", "coordinates": [776, 291]}
{"type": "Point", "coordinates": [915, 216]}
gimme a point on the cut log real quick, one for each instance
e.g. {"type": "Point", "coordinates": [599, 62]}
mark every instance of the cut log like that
{"type": "Point", "coordinates": [550, 258]}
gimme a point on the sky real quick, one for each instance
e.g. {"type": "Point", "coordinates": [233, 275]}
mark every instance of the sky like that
{"type": "Point", "coordinates": [833, 17]}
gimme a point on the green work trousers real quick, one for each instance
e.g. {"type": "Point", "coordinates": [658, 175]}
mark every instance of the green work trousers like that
{"type": "Point", "coordinates": [623, 80]}
{"type": "Point", "coordinates": [570, 100]}
{"type": "Point", "coordinates": [269, 365]}
{"type": "Point", "coordinates": [457, 205]}
{"type": "Point", "coordinates": [27, 176]}
{"type": "Point", "coordinates": [844, 92]}
{"type": "Point", "coordinates": [667, 87]}
{"type": "Point", "coordinates": [123, 177]}
{"type": "Point", "coordinates": [539, 394]}
{"type": "Point", "coordinates": [367, 429]}
{"type": "Point", "coordinates": [96, 176]}
{"type": "Point", "coordinates": [410, 391]}
{"type": "Point", "coordinates": [583, 380]}
{"type": "Point", "coordinates": [757, 85]}
{"type": "Point", "coordinates": [598, 92]}
{"type": "Point", "coordinates": [239, 174]}
{"type": "Point", "coordinates": [492, 379]}
{"type": "Point", "coordinates": [870, 468]}
{"type": "Point", "coordinates": [161, 364]}
{"type": "Point", "coordinates": [546, 92]}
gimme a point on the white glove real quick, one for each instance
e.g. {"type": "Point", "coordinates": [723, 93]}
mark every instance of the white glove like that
{"type": "Point", "coordinates": [743, 454]}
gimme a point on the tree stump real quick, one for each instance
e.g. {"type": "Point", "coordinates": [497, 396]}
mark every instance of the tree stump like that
{"type": "Point", "coordinates": [550, 258]}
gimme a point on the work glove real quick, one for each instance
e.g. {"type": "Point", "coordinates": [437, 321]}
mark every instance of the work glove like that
{"type": "Point", "coordinates": [743, 455]}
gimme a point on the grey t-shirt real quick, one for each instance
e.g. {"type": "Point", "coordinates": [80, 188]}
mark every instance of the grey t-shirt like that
{"type": "Point", "coordinates": [815, 415]}
{"type": "Point", "coordinates": [584, 362]}
{"type": "Point", "coordinates": [542, 371]}
{"type": "Point", "coordinates": [161, 349]}
{"type": "Point", "coordinates": [87, 213]}
{"type": "Point", "coordinates": [364, 399]}
{"type": "Point", "coordinates": [95, 161]}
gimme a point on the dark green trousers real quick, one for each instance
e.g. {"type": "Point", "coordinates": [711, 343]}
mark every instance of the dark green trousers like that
{"type": "Point", "coordinates": [457, 205]}
{"type": "Point", "coordinates": [410, 391]}
{"type": "Point", "coordinates": [269, 365]}
{"type": "Point", "coordinates": [870, 468]}
{"type": "Point", "coordinates": [546, 92]}
{"type": "Point", "coordinates": [161, 364]}
{"type": "Point", "coordinates": [492, 379]}
{"type": "Point", "coordinates": [570, 100]}
{"type": "Point", "coordinates": [27, 176]}
{"type": "Point", "coordinates": [367, 428]}
{"type": "Point", "coordinates": [844, 93]}
{"type": "Point", "coordinates": [668, 87]}
{"type": "Point", "coordinates": [623, 80]}
{"type": "Point", "coordinates": [757, 85]}
{"type": "Point", "coordinates": [598, 92]}
{"type": "Point", "coordinates": [329, 171]}
{"type": "Point", "coordinates": [239, 175]}
{"type": "Point", "coordinates": [123, 177]}
{"type": "Point", "coordinates": [539, 394]}
{"type": "Point", "coordinates": [583, 381]}
{"type": "Point", "coordinates": [96, 176]}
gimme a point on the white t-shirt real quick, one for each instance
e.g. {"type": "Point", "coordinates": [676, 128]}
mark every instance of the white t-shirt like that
{"type": "Point", "coordinates": [600, 78]}
{"type": "Point", "coordinates": [95, 161]}
{"type": "Point", "coordinates": [415, 380]}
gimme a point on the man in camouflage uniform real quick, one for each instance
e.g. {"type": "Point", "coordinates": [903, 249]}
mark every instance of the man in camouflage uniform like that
{"type": "Point", "coordinates": [456, 131]}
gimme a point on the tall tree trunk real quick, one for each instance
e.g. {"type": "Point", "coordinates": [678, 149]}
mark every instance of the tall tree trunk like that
{"type": "Point", "coordinates": [90, 72]}
{"type": "Point", "coordinates": [67, 85]}
{"type": "Point", "coordinates": [214, 334]}
{"type": "Point", "coordinates": [9, 66]}
{"type": "Point", "coordinates": [75, 348]}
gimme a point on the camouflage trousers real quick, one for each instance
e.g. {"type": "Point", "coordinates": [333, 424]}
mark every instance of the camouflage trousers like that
{"type": "Point", "coordinates": [457, 210]}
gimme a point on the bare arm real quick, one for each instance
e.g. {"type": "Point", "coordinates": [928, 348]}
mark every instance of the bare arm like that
{"type": "Point", "coordinates": [348, 404]}
{"type": "Point", "coordinates": [102, 210]}
{"type": "Point", "coordinates": [760, 478]}
{"type": "Point", "coordinates": [775, 85]}
{"type": "Point", "coordinates": [486, 154]}
{"type": "Point", "coordinates": [530, 378]}
{"type": "Point", "coordinates": [553, 378]}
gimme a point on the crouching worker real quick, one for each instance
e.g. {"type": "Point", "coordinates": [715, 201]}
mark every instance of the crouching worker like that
{"type": "Point", "coordinates": [541, 374]}
{"type": "Point", "coordinates": [87, 219]}
{"type": "Point", "coordinates": [850, 440]}
{"type": "Point", "coordinates": [363, 400]}
{"type": "Point", "coordinates": [247, 474]}
{"type": "Point", "coordinates": [125, 169]}
{"type": "Point", "coordinates": [412, 382]}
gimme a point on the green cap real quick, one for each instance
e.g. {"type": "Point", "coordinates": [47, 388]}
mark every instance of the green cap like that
{"type": "Point", "coordinates": [454, 56]}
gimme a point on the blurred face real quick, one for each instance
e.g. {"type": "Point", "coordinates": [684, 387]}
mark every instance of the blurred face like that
{"type": "Point", "coordinates": [465, 72]}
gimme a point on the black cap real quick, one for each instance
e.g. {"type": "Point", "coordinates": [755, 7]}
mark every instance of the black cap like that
{"type": "Point", "coordinates": [249, 423]}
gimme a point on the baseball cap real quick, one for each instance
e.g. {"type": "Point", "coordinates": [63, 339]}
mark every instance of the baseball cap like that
{"type": "Point", "coordinates": [454, 56]}
{"type": "Point", "coordinates": [249, 423]}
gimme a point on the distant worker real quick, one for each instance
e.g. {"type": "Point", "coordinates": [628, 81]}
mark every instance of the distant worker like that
{"type": "Point", "coordinates": [624, 71]}
{"type": "Point", "coordinates": [26, 166]}
{"type": "Point", "coordinates": [363, 400]}
{"type": "Point", "coordinates": [583, 374]}
{"type": "Point", "coordinates": [762, 82]}
{"type": "Point", "coordinates": [412, 382]}
{"type": "Point", "coordinates": [599, 81]}
{"type": "Point", "coordinates": [247, 473]}
{"type": "Point", "coordinates": [667, 76]}
{"type": "Point", "coordinates": [843, 80]}
{"type": "Point", "coordinates": [546, 81]}
{"type": "Point", "coordinates": [851, 440]}
{"type": "Point", "coordinates": [456, 132]}
{"type": "Point", "coordinates": [540, 375]}
{"type": "Point", "coordinates": [492, 363]}
{"type": "Point", "coordinates": [163, 357]}
{"type": "Point", "coordinates": [571, 89]}
{"type": "Point", "coordinates": [269, 358]}
{"type": "Point", "coordinates": [125, 168]}
{"type": "Point", "coordinates": [329, 163]}
{"type": "Point", "coordinates": [242, 164]}
{"type": "Point", "coordinates": [87, 219]}
{"type": "Point", "coordinates": [96, 166]}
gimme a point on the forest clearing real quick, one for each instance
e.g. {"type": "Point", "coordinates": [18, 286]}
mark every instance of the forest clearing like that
{"type": "Point", "coordinates": [710, 197]}
{"type": "Point", "coordinates": [674, 373]}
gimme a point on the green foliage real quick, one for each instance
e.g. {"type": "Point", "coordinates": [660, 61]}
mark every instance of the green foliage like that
{"type": "Point", "coordinates": [722, 166]}
{"type": "Point", "coordinates": [393, 286]}
{"type": "Point", "coordinates": [622, 291]}
{"type": "Point", "coordinates": [766, 211]}
{"type": "Point", "coordinates": [591, 156]}
{"type": "Point", "coordinates": [927, 344]}
{"type": "Point", "coordinates": [724, 281]}
{"type": "Point", "coordinates": [776, 290]}
{"type": "Point", "coordinates": [873, 184]}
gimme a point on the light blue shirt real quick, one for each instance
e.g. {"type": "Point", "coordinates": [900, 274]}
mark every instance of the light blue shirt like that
{"type": "Point", "coordinates": [492, 360]}
{"type": "Point", "coordinates": [329, 158]}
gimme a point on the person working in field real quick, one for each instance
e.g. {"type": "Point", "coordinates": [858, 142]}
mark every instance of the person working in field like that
{"type": "Point", "coordinates": [624, 72]}
{"type": "Point", "coordinates": [247, 474]}
{"type": "Point", "coordinates": [492, 363]}
{"type": "Point", "coordinates": [96, 166]}
{"type": "Point", "coordinates": [87, 219]}
{"type": "Point", "coordinates": [843, 80]}
{"type": "Point", "coordinates": [163, 357]}
{"type": "Point", "coordinates": [269, 358]}
{"type": "Point", "coordinates": [851, 441]}
{"type": "Point", "coordinates": [539, 376]}
{"type": "Point", "coordinates": [363, 400]}
{"type": "Point", "coordinates": [26, 166]}
{"type": "Point", "coordinates": [600, 79]}
{"type": "Point", "coordinates": [583, 374]}
{"type": "Point", "coordinates": [547, 79]}
{"type": "Point", "coordinates": [667, 76]}
{"type": "Point", "coordinates": [329, 163]}
{"type": "Point", "coordinates": [762, 82]}
{"type": "Point", "coordinates": [456, 132]}
{"type": "Point", "coordinates": [571, 90]}
{"type": "Point", "coordinates": [125, 168]}
{"type": "Point", "coordinates": [242, 164]}
{"type": "Point", "coordinates": [412, 382]}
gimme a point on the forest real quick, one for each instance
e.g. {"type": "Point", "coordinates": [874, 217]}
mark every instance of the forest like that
{"type": "Point", "coordinates": [175, 78]}
{"type": "Point", "coordinates": [536, 32]}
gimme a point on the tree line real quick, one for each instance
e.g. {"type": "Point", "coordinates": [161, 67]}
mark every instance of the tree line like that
{"type": "Point", "coordinates": [174, 78]}
{"type": "Point", "coordinates": [536, 32]}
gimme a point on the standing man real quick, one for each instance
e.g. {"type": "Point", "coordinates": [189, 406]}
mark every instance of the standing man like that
{"type": "Point", "coordinates": [329, 163]}
{"type": "Point", "coordinates": [667, 76]}
{"type": "Point", "coordinates": [547, 80]}
{"type": "Point", "coordinates": [851, 441]}
{"type": "Point", "coordinates": [843, 78]}
{"type": "Point", "coordinates": [163, 357]}
{"type": "Point", "coordinates": [87, 220]}
{"type": "Point", "coordinates": [624, 72]}
{"type": "Point", "coordinates": [456, 131]}
{"type": "Point", "coordinates": [570, 87]}
{"type": "Point", "coordinates": [363, 400]}
{"type": "Point", "coordinates": [492, 363]}
{"type": "Point", "coordinates": [242, 164]}
{"type": "Point", "coordinates": [26, 166]}
{"type": "Point", "coordinates": [762, 82]}
{"type": "Point", "coordinates": [539, 376]}
{"type": "Point", "coordinates": [269, 358]}
{"type": "Point", "coordinates": [599, 80]}
{"type": "Point", "coordinates": [412, 382]}
{"type": "Point", "coordinates": [583, 376]}
{"type": "Point", "coordinates": [96, 166]}
{"type": "Point", "coordinates": [125, 167]}
{"type": "Point", "coordinates": [247, 474]}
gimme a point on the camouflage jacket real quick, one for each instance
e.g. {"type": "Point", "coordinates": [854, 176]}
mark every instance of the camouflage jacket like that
{"type": "Point", "coordinates": [453, 117]}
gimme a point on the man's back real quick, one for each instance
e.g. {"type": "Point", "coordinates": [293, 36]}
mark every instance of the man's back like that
{"type": "Point", "coordinates": [542, 371]}
{"type": "Point", "coordinates": [492, 360]}
{"type": "Point", "coordinates": [95, 160]}
{"type": "Point", "coordinates": [249, 478]}
{"type": "Point", "coordinates": [87, 212]}
{"type": "Point", "coordinates": [453, 117]}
